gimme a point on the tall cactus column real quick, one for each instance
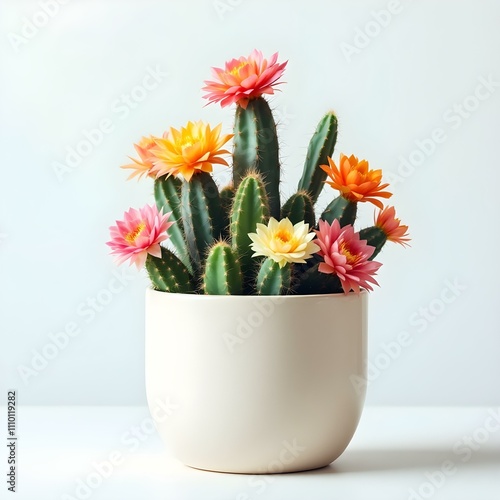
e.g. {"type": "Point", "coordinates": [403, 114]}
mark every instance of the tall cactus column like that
{"type": "Point", "coordinates": [256, 149]}
{"type": "Point", "coordinates": [321, 146]}
{"type": "Point", "coordinates": [201, 216]}
{"type": "Point", "coordinates": [167, 190]}
{"type": "Point", "coordinates": [250, 208]}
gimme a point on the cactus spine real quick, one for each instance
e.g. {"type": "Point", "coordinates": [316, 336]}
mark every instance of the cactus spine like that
{"type": "Point", "coordinates": [168, 273]}
{"type": "Point", "coordinates": [273, 279]}
{"type": "Point", "coordinates": [202, 215]}
{"type": "Point", "coordinates": [222, 271]}
{"type": "Point", "coordinates": [320, 147]}
{"type": "Point", "coordinates": [256, 149]}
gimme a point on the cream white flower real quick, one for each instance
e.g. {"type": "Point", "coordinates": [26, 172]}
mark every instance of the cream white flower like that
{"type": "Point", "coordinates": [283, 242]}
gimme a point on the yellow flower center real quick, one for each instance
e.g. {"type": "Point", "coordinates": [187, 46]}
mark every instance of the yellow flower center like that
{"type": "Point", "coordinates": [187, 141]}
{"type": "Point", "coordinates": [133, 235]}
{"type": "Point", "coordinates": [346, 251]}
{"type": "Point", "coordinates": [236, 70]}
{"type": "Point", "coordinates": [283, 235]}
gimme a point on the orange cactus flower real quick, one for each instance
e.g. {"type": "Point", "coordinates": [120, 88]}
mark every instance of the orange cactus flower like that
{"type": "Point", "coordinates": [193, 148]}
{"type": "Point", "coordinates": [391, 226]}
{"type": "Point", "coordinates": [144, 165]}
{"type": "Point", "coordinates": [355, 181]}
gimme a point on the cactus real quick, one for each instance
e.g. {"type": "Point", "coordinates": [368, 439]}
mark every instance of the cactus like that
{"type": "Point", "coordinates": [167, 191]}
{"type": "Point", "coordinates": [375, 237]}
{"type": "Point", "coordinates": [310, 280]}
{"type": "Point", "coordinates": [299, 207]}
{"type": "Point", "coordinates": [273, 279]}
{"type": "Point", "coordinates": [249, 209]}
{"type": "Point", "coordinates": [201, 215]}
{"type": "Point", "coordinates": [226, 200]}
{"type": "Point", "coordinates": [343, 210]}
{"type": "Point", "coordinates": [256, 149]}
{"type": "Point", "coordinates": [212, 250]}
{"type": "Point", "coordinates": [168, 273]}
{"type": "Point", "coordinates": [222, 271]}
{"type": "Point", "coordinates": [320, 147]}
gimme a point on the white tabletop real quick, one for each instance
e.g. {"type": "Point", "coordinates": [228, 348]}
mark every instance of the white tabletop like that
{"type": "Point", "coordinates": [397, 453]}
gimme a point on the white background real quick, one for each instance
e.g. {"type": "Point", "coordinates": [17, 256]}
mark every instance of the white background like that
{"type": "Point", "coordinates": [66, 77]}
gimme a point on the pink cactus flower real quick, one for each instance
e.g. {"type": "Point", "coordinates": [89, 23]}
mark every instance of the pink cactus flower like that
{"type": "Point", "coordinates": [139, 234]}
{"type": "Point", "coordinates": [346, 256]}
{"type": "Point", "coordinates": [244, 79]}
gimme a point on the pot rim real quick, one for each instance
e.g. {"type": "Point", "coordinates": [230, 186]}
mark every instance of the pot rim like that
{"type": "Point", "coordinates": [199, 296]}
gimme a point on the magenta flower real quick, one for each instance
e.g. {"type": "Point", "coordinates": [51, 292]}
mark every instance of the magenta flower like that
{"type": "Point", "coordinates": [346, 256]}
{"type": "Point", "coordinates": [139, 234]}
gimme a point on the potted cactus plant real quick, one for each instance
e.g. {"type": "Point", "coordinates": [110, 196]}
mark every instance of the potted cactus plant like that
{"type": "Point", "coordinates": [256, 318]}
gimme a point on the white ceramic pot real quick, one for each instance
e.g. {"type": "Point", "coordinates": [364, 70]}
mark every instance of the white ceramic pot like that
{"type": "Point", "coordinates": [256, 384]}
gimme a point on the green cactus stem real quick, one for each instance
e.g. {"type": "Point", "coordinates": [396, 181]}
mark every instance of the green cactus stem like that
{"type": "Point", "coordinates": [168, 273]}
{"type": "Point", "coordinates": [320, 147]}
{"type": "Point", "coordinates": [249, 209]}
{"type": "Point", "coordinates": [343, 210]}
{"type": "Point", "coordinates": [167, 191]}
{"type": "Point", "coordinates": [256, 149]}
{"type": "Point", "coordinates": [311, 281]}
{"type": "Point", "coordinates": [273, 279]}
{"type": "Point", "coordinates": [299, 207]}
{"type": "Point", "coordinates": [374, 237]}
{"type": "Point", "coordinates": [226, 200]}
{"type": "Point", "coordinates": [222, 271]}
{"type": "Point", "coordinates": [201, 215]}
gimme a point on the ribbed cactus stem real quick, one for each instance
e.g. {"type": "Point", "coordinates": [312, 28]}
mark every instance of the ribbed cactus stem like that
{"type": "Point", "coordinates": [168, 273]}
{"type": "Point", "coordinates": [249, 209]}
{"type": "Point", "coordinates": [167, 191]}
{"type": "Point", "coordinates": [375, 237]}
{"type": "Point", "coordinates": [222, 271]}
{"type": "Point", "coordinates": [343, 210]}
{"type": "Point", "coordinates": [273, 279]}
{"type": "Point", "coordinates": [201, 215]}
{"type": "Point", "coordinates": [226, 200]}
{"type": "Point", "coordinates": [256, 149]}
{"type": "Point", "coordinates": [320, 147]}
{"type": "Point", "coordinates": [299, 207]}
{"type": "Point", "coordinates": [312, 281]}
